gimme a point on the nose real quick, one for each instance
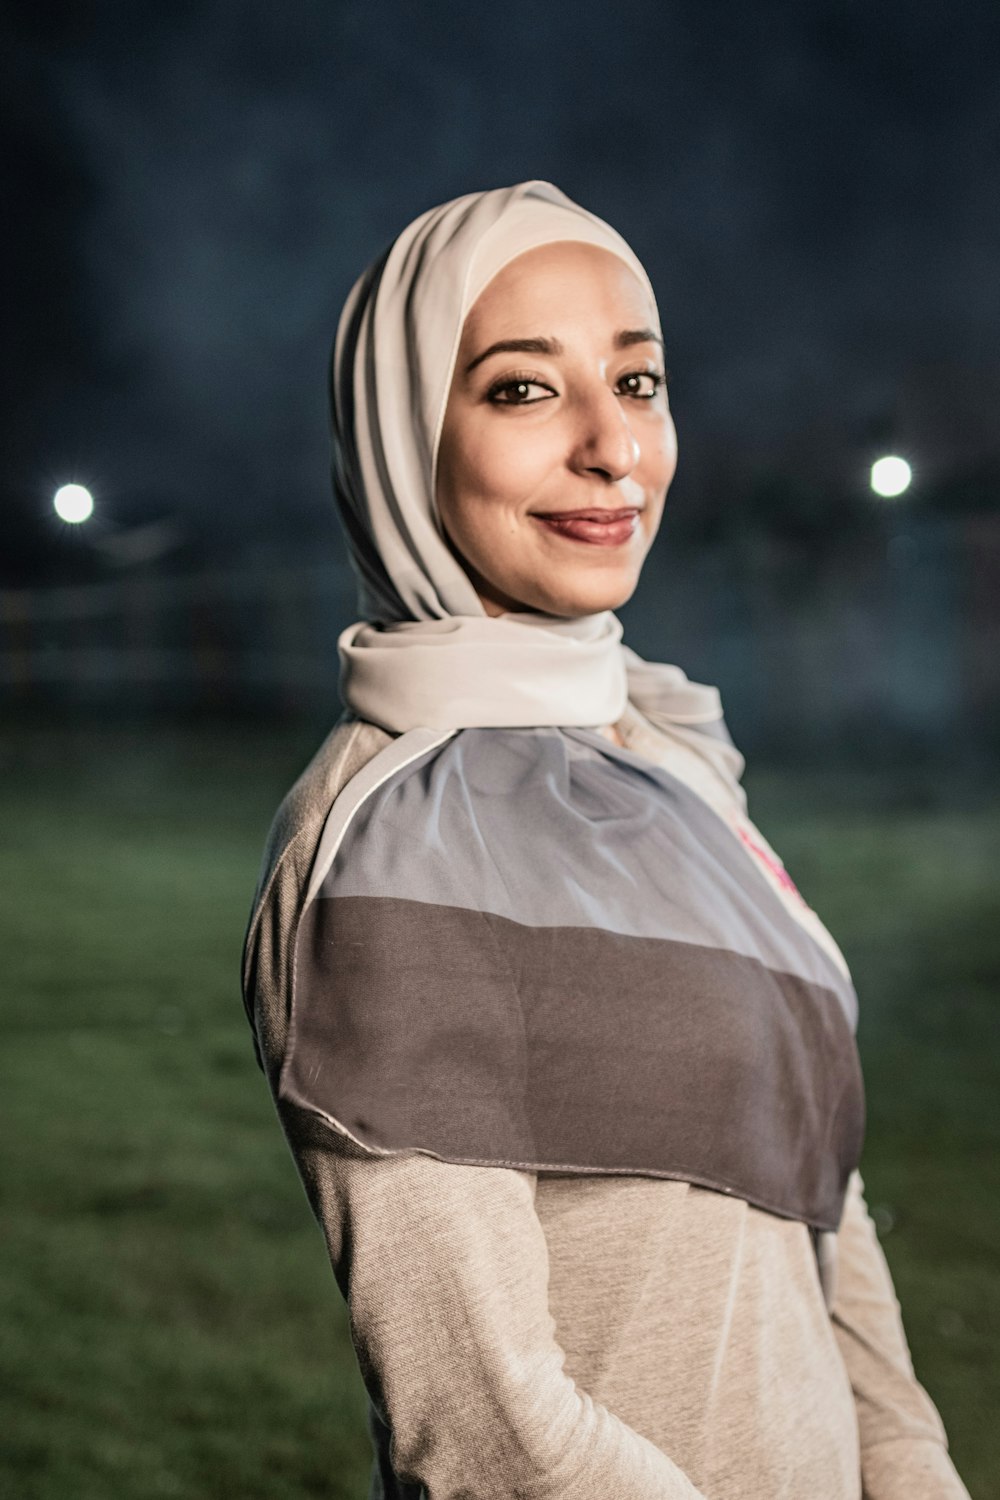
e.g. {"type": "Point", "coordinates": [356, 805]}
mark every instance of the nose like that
{"type": "Point", "coordinates": [605, 443]}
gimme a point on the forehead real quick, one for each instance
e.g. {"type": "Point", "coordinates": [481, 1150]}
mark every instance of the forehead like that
{"type": "Point", "coordinates": [567, 281]}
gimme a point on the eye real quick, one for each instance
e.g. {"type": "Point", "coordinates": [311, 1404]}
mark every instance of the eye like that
{"type": "Point", "coordinates": [642, 384]}
{"type": "Point", "coordinates": [519, 390]}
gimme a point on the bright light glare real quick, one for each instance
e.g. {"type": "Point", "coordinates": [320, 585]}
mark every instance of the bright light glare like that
{"type": "Point", "coordinates": [890, 476]}
{"type": "Point", "coordinates": [73, 503]}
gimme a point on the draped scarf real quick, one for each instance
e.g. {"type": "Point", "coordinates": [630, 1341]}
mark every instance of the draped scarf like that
{"type": "Point", "coordinates": [521, 944]}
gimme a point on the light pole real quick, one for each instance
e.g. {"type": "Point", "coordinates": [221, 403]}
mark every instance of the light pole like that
{"type": "Point", "coordinates": [890, 476]}
{"type": "Point", "coordinates": [73, 503]}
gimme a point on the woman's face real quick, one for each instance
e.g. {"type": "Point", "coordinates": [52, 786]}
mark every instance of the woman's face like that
{"type": "Point", "coordinates": [558, 447]}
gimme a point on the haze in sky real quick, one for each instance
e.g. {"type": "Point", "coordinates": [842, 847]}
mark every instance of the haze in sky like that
{"type": "Point", "coordinates": [813, 187]}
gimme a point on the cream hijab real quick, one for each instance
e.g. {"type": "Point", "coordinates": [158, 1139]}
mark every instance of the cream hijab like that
{"type": "Point", "coordinates": [426, 654]}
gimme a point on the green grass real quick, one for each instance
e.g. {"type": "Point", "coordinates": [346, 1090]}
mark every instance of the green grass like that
{"type": "Point", "coordinates": [909, 886]}
{"type": "Point", "coordinates": [169, 1326]}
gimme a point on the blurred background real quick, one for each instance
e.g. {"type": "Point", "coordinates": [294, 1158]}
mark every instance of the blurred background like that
{"type": "Point", "coordinates": [191, 190]}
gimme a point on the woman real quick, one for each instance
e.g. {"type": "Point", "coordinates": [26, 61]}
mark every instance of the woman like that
{"type": "Point", "coordinates": [566, 1063]}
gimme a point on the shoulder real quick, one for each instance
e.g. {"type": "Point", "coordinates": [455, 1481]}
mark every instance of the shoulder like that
{"type": "Point", "coordinates": [288, 855]}
{"type": "Point", "coordinates": [349, 746]}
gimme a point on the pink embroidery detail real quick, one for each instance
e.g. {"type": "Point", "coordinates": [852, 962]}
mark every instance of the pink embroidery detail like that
{"type": "Point", "coordinates": [772, 862]}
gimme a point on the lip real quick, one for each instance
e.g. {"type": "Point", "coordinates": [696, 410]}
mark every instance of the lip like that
{"type": "Point", "coordinates": [597, 526]}
{"type": "Point", "coordinates": [602, 513]}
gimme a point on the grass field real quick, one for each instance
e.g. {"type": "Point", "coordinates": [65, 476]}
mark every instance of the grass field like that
{"type": "Point", "coordinates": [168, 1323]}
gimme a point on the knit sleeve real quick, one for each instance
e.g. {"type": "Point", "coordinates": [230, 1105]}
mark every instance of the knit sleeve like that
{"type": "Point", "coordinates": [444, 1269]}
{"type": "Point", "coordinates": [903, 1445]}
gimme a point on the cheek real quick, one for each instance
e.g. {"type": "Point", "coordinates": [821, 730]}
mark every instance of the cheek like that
{"type": "Point", "coordinates": [658, 460]}
{"type": "Point", "coordinates": [500, 465]}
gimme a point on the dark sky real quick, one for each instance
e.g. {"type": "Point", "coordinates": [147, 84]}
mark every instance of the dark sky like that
{"type": "Point", "coordinates": [191, 189]}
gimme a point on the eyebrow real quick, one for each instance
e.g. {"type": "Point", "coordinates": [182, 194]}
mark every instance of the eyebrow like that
{"type": "Point", "coordinates": [623, 340]}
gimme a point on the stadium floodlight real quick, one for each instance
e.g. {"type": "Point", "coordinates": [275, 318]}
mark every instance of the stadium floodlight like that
{"type": "Point", "coordinates": [890, 476]}
{"type": "Point", "coordinates": [73, 503]}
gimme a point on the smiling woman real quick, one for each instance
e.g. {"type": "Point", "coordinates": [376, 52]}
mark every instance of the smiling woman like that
{"type": "Point", "coordinates": [566, 1062]}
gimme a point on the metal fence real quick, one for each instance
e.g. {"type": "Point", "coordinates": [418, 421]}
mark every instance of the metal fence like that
{"type": "Point", "coordinates": [891, 639]}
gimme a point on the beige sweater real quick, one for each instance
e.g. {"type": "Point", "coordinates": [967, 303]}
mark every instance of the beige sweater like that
{"type": "Point", "coordinates": [605, 1338]}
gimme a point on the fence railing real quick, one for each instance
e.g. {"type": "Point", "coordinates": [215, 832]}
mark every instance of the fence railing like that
{"type": "Point", "coordinates": [897, 637]}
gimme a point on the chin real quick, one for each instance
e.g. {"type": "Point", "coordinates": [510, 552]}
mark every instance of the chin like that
{"type": "Point", "coordinates": [589, 597]}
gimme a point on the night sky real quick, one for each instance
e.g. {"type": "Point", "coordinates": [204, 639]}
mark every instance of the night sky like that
{"type": "Point", "coordinates": [191, 189]}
